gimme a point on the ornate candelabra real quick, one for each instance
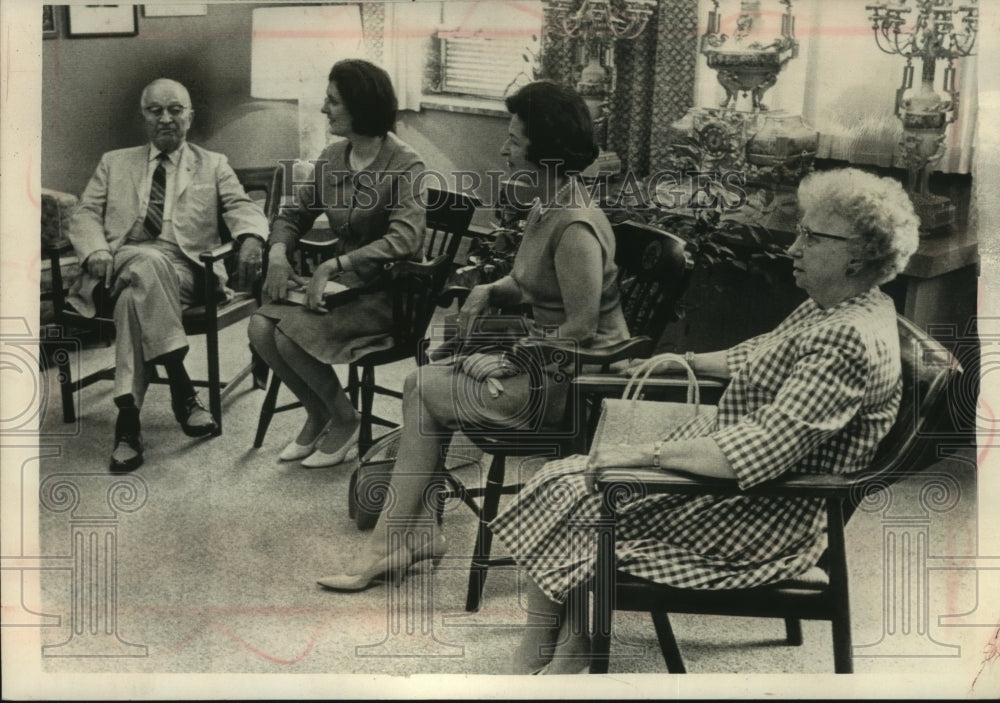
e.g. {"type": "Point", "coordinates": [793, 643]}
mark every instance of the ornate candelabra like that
{"type": "Point", "coordinates": [599, 24]}
{"type": "Point", "coordinates": [941, 30]}
{"type": "Point", "coordinates": [744, 62]}
{"type": "Point", "coordinates": [773, 148]}
{"type": "Point", "coordinates": [602, 19]}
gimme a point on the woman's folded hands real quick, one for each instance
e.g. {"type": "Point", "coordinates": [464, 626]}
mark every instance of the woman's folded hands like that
{"type": "Point", "coordinates": [482, 366]}
{"type": "Point", "coordinates": [280, 276]}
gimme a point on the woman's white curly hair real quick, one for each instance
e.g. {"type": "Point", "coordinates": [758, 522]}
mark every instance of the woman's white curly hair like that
{"type": "Point", "coordinates": [878, 209]}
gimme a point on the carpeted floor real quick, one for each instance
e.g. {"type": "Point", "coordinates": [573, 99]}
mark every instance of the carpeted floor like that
{"type": "Point", "coordinates": [218, 548]}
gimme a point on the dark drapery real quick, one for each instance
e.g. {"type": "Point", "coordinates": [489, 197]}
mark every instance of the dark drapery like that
{"type": "Point", "coordinates": [655, 81]}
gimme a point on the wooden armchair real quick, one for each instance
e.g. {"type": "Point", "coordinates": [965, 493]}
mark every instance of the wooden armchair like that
{"type": "Point", "coordinates": [653, 274]}
{"type": "Point", "coordinates": [821, 593]}
{"type": "Point", "coordinates": [413, 287]}
{"type": "Point", "coordinates": [206, 319]}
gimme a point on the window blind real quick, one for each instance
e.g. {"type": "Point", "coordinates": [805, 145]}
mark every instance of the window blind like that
{"type": "Point", "coordinates": [480, 66]}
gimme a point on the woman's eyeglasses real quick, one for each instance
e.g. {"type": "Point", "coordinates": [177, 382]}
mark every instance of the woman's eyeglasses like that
{"type": "Point", "coordinates": [810, 236]}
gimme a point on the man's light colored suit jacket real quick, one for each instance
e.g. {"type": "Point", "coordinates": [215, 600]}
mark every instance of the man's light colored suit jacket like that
{"type": "Point", "coordinates": [111, 202]}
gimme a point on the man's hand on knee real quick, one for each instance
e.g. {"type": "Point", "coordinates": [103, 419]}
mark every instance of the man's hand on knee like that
{"type": "Point", "coordinates": [250, 260]}
{"type": "Point", "coordinates": [100, 265]}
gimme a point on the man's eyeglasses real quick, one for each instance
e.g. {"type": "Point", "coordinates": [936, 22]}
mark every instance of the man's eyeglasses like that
{"type": "Point", "coordinates": [810, 236]}
{"type": "Point", "coordinates": [172, 110]}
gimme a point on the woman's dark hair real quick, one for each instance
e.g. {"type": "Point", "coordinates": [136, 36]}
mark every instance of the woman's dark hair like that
{"type": "Point", "coordinates": [368, 96]}
{"type": "Point", "coordinates": [557, 123]}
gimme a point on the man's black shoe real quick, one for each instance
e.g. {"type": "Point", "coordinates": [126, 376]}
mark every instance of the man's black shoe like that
{"type": "Point", "coordinates": [195, 420]}
{"type": "Point", "coordinates": [127, 455]}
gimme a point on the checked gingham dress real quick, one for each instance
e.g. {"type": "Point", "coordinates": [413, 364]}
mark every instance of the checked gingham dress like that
{"type": "Point", "coordinates": [815, 395]}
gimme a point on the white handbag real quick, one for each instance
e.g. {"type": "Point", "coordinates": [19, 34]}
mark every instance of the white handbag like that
{"type": "Point", "coordinates": [630, 420]}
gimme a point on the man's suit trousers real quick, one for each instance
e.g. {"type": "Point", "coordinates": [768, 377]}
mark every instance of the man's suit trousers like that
{"type": "Point", "coordinates": [153, 280]}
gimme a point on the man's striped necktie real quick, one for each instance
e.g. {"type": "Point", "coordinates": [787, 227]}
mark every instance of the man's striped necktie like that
{"type": "Point", "coordinates": [153, 224]}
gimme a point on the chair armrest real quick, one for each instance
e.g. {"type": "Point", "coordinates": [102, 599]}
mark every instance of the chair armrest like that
{"type": "Point", "coordinates": [54, 252]}
{"type": "Point", "coordinates": [656, 387]}
{"type": "Point", "coordinates": [220, 252]}
{"type": "Point", "coordinates": [319, 243]}
{"type": "Point", "coordinates": [452, 293]}
{"type": "Point", "coordinates": [656, 481]}
{"type": "Point", "coordinates": [636, 347]}
{"type": "Point", "coordinates": [317, 246]}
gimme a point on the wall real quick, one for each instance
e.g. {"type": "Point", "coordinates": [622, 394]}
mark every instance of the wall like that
{"type": "Point", "coordinates": [92, 85]}
{"type": "Point", "coordinates": [91, 91]}
{"type": "Point", "coordinates": [451, 142]}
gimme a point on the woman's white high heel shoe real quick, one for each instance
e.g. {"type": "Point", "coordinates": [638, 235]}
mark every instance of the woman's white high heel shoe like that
{"type": "Point", "coordinates": [347, 452]}
{"type": "Point", "coordinates": [295, 451]}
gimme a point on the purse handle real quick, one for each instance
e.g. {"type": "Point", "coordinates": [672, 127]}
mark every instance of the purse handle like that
{"type": "Point", "coordinates": [647, 367]}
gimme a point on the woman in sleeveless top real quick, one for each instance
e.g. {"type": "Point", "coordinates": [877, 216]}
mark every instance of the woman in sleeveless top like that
{"type": "Point", "coordinates": [564, 269]}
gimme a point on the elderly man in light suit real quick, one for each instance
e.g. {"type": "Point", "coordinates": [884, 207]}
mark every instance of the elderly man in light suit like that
{"type": "Point", "coordinates": [145, 216]}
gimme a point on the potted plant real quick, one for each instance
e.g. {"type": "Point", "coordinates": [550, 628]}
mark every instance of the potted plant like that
{"type": "Point", "coordinates": [740, 283]}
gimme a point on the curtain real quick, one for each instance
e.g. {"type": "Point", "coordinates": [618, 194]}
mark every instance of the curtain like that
{"type": "Point", "coordinates": [656, 77]}
{"type": "Point", "coordinates": [632, 101]}
{"type": "Point", "coordinates": [407, 31]}
{"type": "Point", "coordinates": [655, 81]}
{"type": "Point", "coordinates": [373, 31]}
{"type": "Point", "coordinates": [559, 54]}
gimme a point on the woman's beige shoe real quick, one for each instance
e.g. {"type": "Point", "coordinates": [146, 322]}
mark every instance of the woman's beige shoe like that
{"type": "Point", "coordinates": [433, 550]}
{"type": "Point", "coordinates": [388, 567]}
{"type": "Point", "coordinates": [392, 567]}
{"type": "Point", "coordinates": [347, 452]}
{"type": "Point", "coordinates": [295, 451]}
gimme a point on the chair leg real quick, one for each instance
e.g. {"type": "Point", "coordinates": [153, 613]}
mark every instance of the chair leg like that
{"type": "Point", "coordinates": [484, 536]}
{"type": "Point", "coordinates": [600, 642]}
{"type": "Point", "coordinates": [66, 386]}
{"type": "Point", "coordinates": [352, 384]}
{"type": "Point", "coordinates": [837, 560]}
{"type": "Point", "coordinates": [843, 662]}
{"type": "Point", "coordinates": [259, 369]}
{"type": "Point", "coordinates": [267, 411]}
{"type": "Point", "coordinates": [367, 402]}
{"type": "Point", "coordinates": [793, 632]}
{"type": "Point", "coordinates": [668, 644]}
{"type": "Point", "coordinates": [214, 380]}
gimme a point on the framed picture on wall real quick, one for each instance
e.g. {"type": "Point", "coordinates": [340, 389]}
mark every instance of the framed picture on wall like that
{"type": "Point", "coordinates": [174, 10]}
{"type": "Point", "coordinates": [102, 21]}
{"type": "Point", "coordinates": [50, 22]}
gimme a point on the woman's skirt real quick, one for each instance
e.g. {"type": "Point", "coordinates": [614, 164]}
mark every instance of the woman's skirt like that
{"type": "Point", "coordinates": [527, 402]}
{"type": "Point", "coordinates": [703, 542]}
{"type": "Point", "coordinates": [344, 334]}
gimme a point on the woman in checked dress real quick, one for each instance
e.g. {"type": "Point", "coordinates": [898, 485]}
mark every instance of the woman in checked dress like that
{"type": "Point", "coordinates": [815, 395]}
